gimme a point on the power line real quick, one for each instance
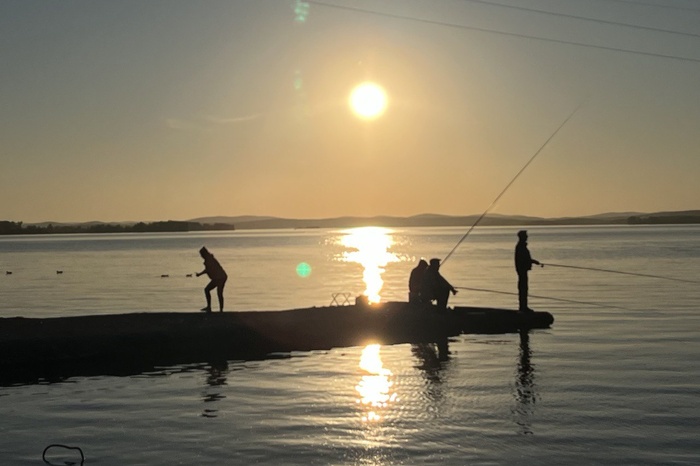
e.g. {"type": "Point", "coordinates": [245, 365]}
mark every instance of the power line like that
{"type": "Point", "coordinates": [583, 18]}
{"type": "Point", "coordinates": [503, 33]}
{"type": "Point", "coordinates": [655, 5]}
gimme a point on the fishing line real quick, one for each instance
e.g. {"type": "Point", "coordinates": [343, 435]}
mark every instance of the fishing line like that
{"type": "Point", "coordinates": [488, 209]}
{"type": "Point", "coordinates": [586, 303]}
{"type": "Point", "coordinates": [621, 272]}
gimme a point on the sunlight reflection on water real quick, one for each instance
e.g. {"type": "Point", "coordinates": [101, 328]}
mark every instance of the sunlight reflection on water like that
{"type": "Point", "coordinates": [370, 248]}
{"type": "Point", "coordinates": [375, 388]}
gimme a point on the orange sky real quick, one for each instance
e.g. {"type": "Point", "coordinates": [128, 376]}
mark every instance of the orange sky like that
{"type": "Point", "coordinates": [173, 109]}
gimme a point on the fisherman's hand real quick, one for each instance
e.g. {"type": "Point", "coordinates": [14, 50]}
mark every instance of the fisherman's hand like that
{"type": "Point", "coordinates": [454, 291]}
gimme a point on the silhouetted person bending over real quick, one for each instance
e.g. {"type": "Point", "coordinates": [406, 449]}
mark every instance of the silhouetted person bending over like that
{"type": "Point", "coordinates": [415, 281]}
{"type": "Point", "coordinates": [435, 286]}
{"type": "Point", "coordinates": [523, 264]}
{"type": "Point", "coordinates": [218, 278]}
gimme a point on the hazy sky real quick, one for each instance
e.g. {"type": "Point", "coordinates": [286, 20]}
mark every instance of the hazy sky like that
{"type": "Point", "coordinates": [175, 109]}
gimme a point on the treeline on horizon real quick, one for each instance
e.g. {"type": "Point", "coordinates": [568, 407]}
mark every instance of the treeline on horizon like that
{"type": "Point", "coordinates": [661, 218]}
{"type": "Point", "coordinates": [18, 228]}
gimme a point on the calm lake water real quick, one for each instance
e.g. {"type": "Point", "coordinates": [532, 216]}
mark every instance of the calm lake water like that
{"type": "Point", "coordinates": [616, 380]}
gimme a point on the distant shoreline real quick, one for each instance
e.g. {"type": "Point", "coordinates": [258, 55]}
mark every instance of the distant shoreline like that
{"type": "Point", "coordinates": [424, 220]}
{"type": "Point", "coordinates": [18, 228]}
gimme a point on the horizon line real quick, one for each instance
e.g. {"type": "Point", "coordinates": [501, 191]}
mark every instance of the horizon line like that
{"type": "Point", "coordinates": [427, 214]}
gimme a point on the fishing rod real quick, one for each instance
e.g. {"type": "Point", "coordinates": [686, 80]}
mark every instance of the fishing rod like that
{"type": "Point", "coordinates": [586, 303]}
{"type": "Point", "coordinates": [488, 209]}
{"type": "Point", "coordinates": [621, 272]}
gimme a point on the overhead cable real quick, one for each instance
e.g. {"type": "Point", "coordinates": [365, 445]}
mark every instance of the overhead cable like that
{"type": "Point", "coordinates": [504, 33]}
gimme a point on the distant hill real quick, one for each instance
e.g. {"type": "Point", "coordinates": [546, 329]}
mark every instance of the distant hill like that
{"type": "Point", "coordinates": [229, 220]}
{"type": "Point", "coordinates": [429, 220]}
{"type": "Point", "coordinates": [614, 215]}
{"type": "Point", "coordinates": [256, 222]}
{"type": "Point", "coordinates": [686, 216]}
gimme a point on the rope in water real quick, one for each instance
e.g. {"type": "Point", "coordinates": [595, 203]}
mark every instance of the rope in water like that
{"type": "Point", "coordinates": [58, 445]}
{"type": "Point", "coordinates": [586, 303]}
{"type": "Point", "coordinates": [621, 272]}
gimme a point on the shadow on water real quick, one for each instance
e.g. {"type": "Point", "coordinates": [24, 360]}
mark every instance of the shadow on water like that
{"type": "Point", "coordinates": [525, 394]}
{"type": "Point", "coordinates": [216, 376]}
{"type": "Point", "coordinates": [217, 371]}
{"type": "Point", "coordinates": [433, 359]}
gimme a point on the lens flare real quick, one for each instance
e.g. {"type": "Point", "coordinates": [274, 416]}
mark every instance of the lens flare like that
{"type": "Point", "coordinates": [301, 11]}
{"type": "Point", "coordinates": [303, 269]}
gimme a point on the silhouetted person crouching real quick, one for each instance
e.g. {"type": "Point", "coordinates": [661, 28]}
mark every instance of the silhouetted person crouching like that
{"type": "Point", "coordinates": [523, 264]}
{"type": "Point", "coordinates": [218, 278]}
{"type": "Point", "coordinates": [435, 286]}
{"type": "Point", "coordinates": [415, 281]}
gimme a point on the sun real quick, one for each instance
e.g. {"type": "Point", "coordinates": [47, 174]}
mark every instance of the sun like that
{"type": "Point", "coordinates": [368, 100]}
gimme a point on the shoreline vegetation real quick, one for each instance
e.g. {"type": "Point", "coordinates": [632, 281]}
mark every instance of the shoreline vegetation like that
{"type": "Point", "coordinates": [424, 220]}
{"type": "Point", "coordinates": [19, 228]}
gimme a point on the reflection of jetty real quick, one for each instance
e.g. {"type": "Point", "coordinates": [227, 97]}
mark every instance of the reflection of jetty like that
{"type": "Point", "coordinates": [131, 343]}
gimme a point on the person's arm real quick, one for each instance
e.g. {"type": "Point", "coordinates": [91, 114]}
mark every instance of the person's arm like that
{"type": "Point", "coordinates": [529, 257]}
{"type": "Point", "coordinates": [201, 273]}
{"type": "Point", "coordinates": [449, 285]}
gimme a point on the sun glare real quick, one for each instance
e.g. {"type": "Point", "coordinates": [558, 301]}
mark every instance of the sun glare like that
{"type": "Point", "coordinates": [376, 388]}
{"type": "Point", "coordinates": [368, 100]}
{"type": "Point", "coordinates": [369, 247]}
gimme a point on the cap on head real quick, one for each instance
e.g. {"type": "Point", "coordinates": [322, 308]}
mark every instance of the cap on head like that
{"type": "Point", "coordinates": [434, 261]}
{"type": "Point", "coordinates": [203, 250]}
{"type": "Point", "coordinates": [522, 234]}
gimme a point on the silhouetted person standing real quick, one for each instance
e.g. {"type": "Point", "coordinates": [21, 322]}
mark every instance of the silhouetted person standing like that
{"type": "Point", "coordinates": [415, 281]}
{"type": "Point", "coordinates": [218, 278]}
{"type": "Point", "coordinates": [523, 264]}
{"type": "Point", "coordinates": [435, 286]}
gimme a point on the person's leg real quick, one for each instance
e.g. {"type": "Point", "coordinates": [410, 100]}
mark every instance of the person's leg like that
{"type": "Point", "coordinates": [220, 294]}
{"type": "Point", "coordinates": [526, 292]}
{"type": "Point", "coordinates": [441, 297]}
{"type": "Point", "coordinates": [521, 298]}
{"type": "Point", "coordinates": [207, 293]}
{"type": "Point", "coordinates": [522, 292]}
